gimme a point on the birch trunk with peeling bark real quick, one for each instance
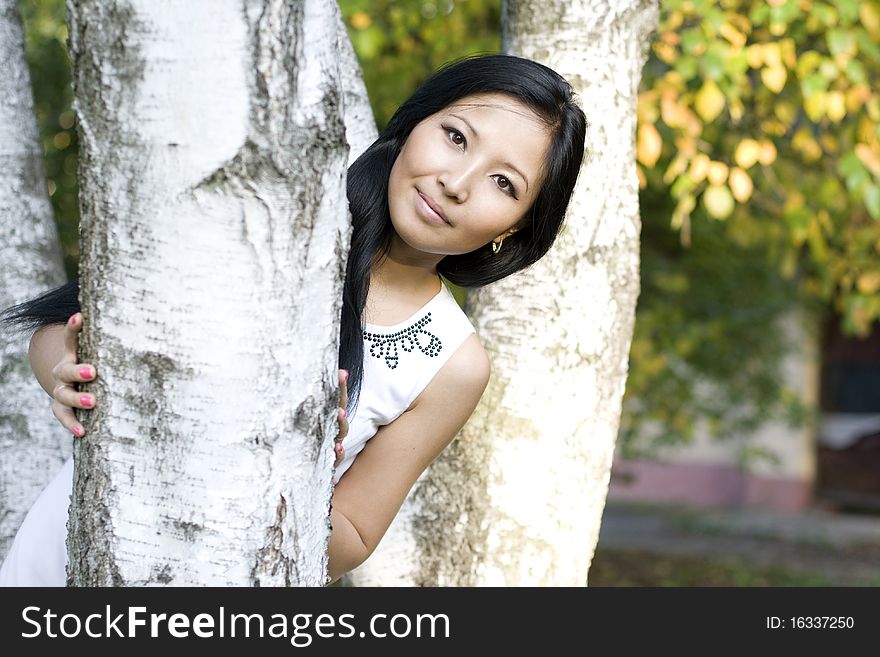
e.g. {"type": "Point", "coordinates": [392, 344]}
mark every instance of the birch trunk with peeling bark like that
{"type": "Point", "coordinates": [517, 498]}
{"type": "Point", "coordinates": [215, 231]}
{"type": "Point", "coordinates": [33, 446]}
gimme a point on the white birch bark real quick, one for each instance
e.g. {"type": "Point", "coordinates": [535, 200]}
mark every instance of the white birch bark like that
{"type": "Point", "coordinates": [215, 232]}
{"type": "Point", "coordinates": [517, 499]}
{"type": "Point", "coordinates": [33, 446]}
{"type": "Point", "coordinates": [360, 125]}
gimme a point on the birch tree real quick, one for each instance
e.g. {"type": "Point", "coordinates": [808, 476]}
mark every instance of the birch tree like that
{"type": "Point", "coordinates": [214, 237]}
{"type": "Point", "coordinates": [32, 444]}
{"type": "Point", "coordinates": [517, 498]}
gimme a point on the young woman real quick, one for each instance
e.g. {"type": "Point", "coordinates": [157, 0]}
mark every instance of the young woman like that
{"type": "Point", "coordinates": [470, 180]}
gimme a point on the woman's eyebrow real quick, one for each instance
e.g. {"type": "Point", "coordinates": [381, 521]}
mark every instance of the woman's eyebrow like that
{"type": "Point", "coordinates": [506, 164]}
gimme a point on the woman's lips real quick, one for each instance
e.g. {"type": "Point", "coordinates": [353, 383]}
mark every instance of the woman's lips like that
{"type": "Point", "coordinates": [430, 210]}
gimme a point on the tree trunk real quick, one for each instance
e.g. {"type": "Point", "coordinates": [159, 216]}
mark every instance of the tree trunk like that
{"type": "Point", "coordinates": [518, 498]}
{"type": "Point", "coordinates": [33, 446]}
{"type": "Point", "coordinates": [360, 125]}
{"type": "Point", "coordinates": [214, 238]}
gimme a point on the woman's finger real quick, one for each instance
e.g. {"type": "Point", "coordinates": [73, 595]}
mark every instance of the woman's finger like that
{"type": "Point", "coordinates": [340, 454]}
{"type": "Point", "coordinates": [67, 395]}
{"type": "Point", "coordinates": [74, 372]}
{"type": "Point", "coordinates": [343, 425]}
{"type": "Point", "coordinates": [71, 334]}
{"type": "Point", "coordinates": [67, 419]}
{"type": "Point", "coordinates": [343, 388]}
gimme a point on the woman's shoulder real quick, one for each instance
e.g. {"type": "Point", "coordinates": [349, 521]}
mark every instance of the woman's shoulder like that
{"type": "Point", "coordinates": [462, 379]}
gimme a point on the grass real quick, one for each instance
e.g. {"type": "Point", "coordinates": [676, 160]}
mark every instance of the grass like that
{"type": "Point", "coordinates": [620, 567]}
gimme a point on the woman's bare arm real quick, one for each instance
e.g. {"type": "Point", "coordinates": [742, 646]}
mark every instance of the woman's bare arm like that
{"type": "Point", "coordinates": [370, 493]}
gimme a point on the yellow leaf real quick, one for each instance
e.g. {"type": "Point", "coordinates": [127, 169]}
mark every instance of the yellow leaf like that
{"type": "Point", "coordinates": [836, 106]}
{"type": "Point", "coordinates": [672, 113]}
{"type": "Point", "coordinates": [360, 20]}
{"type": "Point", "coordinates": [718, 201]}
{"type": "Point", "coordinates": [869, 158]}
{"type": "Point", "coordinates": [873, 107]}
{"type": "Point", "coordinates": [869, 13]}
{"type": "Point", "coordinates": [815, 106]}
{"type": "Point", "coordinates": [682, 211]}
{"type": "Point", "coordinates": [717, 173]}
{"type": "Point", "coordinates": [666, 52]}
{"type": "Point", "coordinates": [789, 52]}
{"type": "Point", "coordinates": [857, 96]}
{"type": "Point", "coordinates": [646, 107]}
{"type": "Point", "coordinates": [807, 146]}
{"type": "Point", "coordinates": [733, 35]}
{"type": "Point", "coordinates": [768, 152]}
{"type": "Point", "coordinates": [649, 145]}
{"type": "Point", "coordinates": [774, 78]}
{"type": "Point", "coordinates": [829, 142]}
{"type": "Point", "coordinates": [709, 101]}
{"type": "Point", "coordinates": [755, 55]}
{"type": "Point", "coordinates": [699, 167]}
{"type": "Point", "coordinates": [773, 54]}
{"type": "Point", "coordinates": [675, 168]}
{"type": "Point", "coordinates": [785, 112]}
{"type": "Point", "coordinates": [736, 109]}
{"type": "Point", "coordinates": [740, 185]}
{"type": "Point", "coordinates": [747, 153]}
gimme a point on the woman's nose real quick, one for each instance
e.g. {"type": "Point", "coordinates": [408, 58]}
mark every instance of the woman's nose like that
{"type": "Point", "coordinates": [457, 182]}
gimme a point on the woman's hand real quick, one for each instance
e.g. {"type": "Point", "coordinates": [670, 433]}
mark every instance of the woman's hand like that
{"type": "Point", "coordinates": [343, 418]}
{"type": "Point", "coordinates": [66, 374]}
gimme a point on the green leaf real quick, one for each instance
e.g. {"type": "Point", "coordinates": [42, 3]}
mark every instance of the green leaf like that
{"type": "Point", "coordinates": [848, 9]}
{"type": "Point", "coordinates": [760, 12]}
{"type": "Point", "coordinates": [813, 84]}
{"type": "Point", "coordinates": [841, 42]}
{"type": "Point", "coordinates": [867, 45]}
{"type": "Point", "coordinates": [872, 201]}
{"type": "Point", "coordinates": [856, 72]}
{"type": "Point", "coordinates": [687, 67]}
{"type": "Point", "coordinates": [712, 63]}
{"type": "Point", "coordinates": [692, 38]}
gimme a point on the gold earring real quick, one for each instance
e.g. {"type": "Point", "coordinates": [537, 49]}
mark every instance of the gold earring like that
{"type": "Point", "coordinates": [496, 246]}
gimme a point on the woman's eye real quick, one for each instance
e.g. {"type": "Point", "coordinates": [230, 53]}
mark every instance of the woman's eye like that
{"type": "Point", "coordinates": [455, 136]}
{"type": "Point", "coordinates": [505, 185]}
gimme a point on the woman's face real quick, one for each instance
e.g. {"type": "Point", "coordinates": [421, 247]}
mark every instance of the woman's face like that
{"type": "Point", "coordinates": [467, 174]}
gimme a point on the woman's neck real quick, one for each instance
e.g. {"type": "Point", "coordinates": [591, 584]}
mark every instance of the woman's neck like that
{"type": "Point", "coordinates": [406, 271]}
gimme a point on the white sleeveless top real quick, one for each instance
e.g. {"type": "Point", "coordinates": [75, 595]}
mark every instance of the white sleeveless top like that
{"type": "Point", "coordinates": [399, 362]}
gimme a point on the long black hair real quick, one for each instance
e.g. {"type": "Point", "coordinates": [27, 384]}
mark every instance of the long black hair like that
{"type": "Point", "coordinates": [536, 86]}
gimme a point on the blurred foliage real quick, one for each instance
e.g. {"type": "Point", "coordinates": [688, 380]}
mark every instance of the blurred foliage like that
{"type": "Point", "coordinates": [46, 53]}
{"type": "Point", "coordinates": [400, 42]}
{"type": "Point", "coordinates": [709, 339]}
{"type": "Point", "coordinates": [766, 116]}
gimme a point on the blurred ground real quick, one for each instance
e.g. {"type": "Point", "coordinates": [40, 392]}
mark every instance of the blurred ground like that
{"type": "Point", "coordinates": [643, 545]}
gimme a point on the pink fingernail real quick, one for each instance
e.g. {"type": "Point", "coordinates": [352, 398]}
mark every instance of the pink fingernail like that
{"type": "Point", "coordinates": [338, 448]}
{"type": "Point", "coordinates": [72, 320]}
{"type": "Point", "coordinates": [77, 431]}
{"type": "Point", "coordinates": [342, 413]}
{"type": "Point", "coordinates": [346, 375]}
{"type": "Point", "coordinates": [85, 400]}
{"type": "Point", "coordinates": [86, 373]}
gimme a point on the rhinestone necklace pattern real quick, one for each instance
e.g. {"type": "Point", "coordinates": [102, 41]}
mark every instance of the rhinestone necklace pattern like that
{"type": "Point", "coordinates": [385, 345]}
